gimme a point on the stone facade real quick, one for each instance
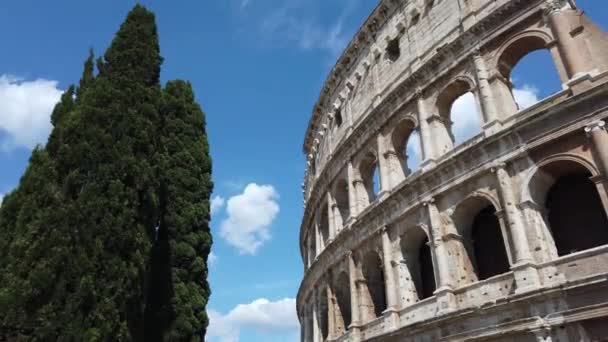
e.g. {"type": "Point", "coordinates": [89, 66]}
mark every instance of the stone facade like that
{"type": "Point", "coordinates": [501, 238]}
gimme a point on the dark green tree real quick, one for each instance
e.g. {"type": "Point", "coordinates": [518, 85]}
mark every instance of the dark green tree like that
{"type": "Point", "coordinates": [179, 290]}
{"type": "Point", "coordinates": [107, 236]}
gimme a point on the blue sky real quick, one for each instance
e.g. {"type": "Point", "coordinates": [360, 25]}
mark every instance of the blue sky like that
{"type": "Point", "coordinates": [257, 67]}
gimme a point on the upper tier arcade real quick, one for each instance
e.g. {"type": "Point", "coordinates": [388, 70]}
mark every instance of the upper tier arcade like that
{"type": "Point", "coordinates": [501, 237]}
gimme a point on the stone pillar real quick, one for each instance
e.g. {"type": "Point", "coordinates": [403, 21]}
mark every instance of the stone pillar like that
{"type": "Point", "coordinates": [383, 167]}
{"type": "Point", "coordinates": [445, 287]}
{"type": "Point", "coordinates": [487, 100]}
{"type": "Point", "coordinates": [353, 202]}
{"type": "Point", "coordinates": [598, 135]}
{"type": "Point", "coordinates": [361, 194]}
{"type": "Point", "coordinates": [305, 325]}
{"type": "Point", "coordinates": [562, 19]}
{"type": "Point", "coordinates": [428, 151]}
{"type": "Point", "coordinates": [331, 219]}
{"type": "Point", "coordinates": [397, 169]}
{"type": "Point", "coordinates": [355, 324]}
{"type": "Point", "coordinates": [526, 275]}
{"type": "Point", "coordinates": [392, 301]}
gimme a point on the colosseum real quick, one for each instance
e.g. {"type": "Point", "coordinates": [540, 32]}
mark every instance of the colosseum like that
{"type": "Point", "coordinates": [501, 237]}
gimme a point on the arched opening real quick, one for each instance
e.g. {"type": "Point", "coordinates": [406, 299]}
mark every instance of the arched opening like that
{"type": "Point", "coordinates": [417, 278]}
{"type": "Point", "coordinates": [342, 292]}
{"type": "Point", "coordinates": [459, 115]}
{"type": "Point", "coordinates": [488, 244]}
{"type": "Point", "coordinates": [406, 144]}
{"type": "Point", "coordinates": [324, 226]}
{"type": "Point", "coordinates": [342, 202]}
{"type": "Point", "coordinates": [312, 242]}
{"type": "Point", "coordinates": [528, 74]}
{"type": "Point", "coordinates": [574, 210]}
{"type": "Point", "coordinates": [323, 314]}
{"type": "Point", "coordinates": [480, 228]}
{"type": "Point", "coordinates": [374, 297]}
{"type": "Point", "coordinates": [370, 176]}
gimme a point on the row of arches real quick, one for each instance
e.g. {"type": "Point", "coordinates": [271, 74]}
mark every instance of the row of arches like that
{"type": "Point", "coordinates": [567, 197]}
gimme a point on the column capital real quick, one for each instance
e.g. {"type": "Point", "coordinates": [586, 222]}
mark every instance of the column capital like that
{"type": "Point", "coordinates": [428, 202]}
{"type": "Point", "coordinates": [498, 166]}
{"type": "Point", "coordinates": [599, 125]}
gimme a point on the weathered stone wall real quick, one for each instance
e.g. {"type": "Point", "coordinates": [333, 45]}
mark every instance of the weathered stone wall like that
{"type": "Point", "coordinates": [404, 263]}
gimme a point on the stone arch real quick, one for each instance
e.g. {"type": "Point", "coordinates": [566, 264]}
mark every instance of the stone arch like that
{"type": "Point", "coordinates": [479, 226]}
{"type": "Point", "coordinates": [565, 196]}
{"type": "Point", "coordinates": [341, 290]}
{"type": "Point", "coordinates": [400, 139]}
{"type": "Point", "coordinates": [323, 318]}
{"type": "Point", "coordinates": [444, 123]}
{"type": "Point", "coordinates": [369, 172]}
{"type": "Point", "coordinates": [416, 269]}
{"type": "Point", "coordinates": [510, 54]}
{"type": "Point", "coordinates": [373, 291]}
{"type": "Point", "coordinates": [340, 195]}
{"type": "Point", "coordinates": [324, 226]}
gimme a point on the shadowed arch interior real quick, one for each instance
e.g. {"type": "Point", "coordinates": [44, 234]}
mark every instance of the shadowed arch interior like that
{"type": "Point", "coordinates": [574, 210]}
{"type": "Point", "coordinates": [342, 292]}
{"type": "Point", "coordinates": [400, 138]}
{"type": "Point", "coordinates": [373, 275]}
{"type": "Point", "coordinates": [341, 198]}
{"type": "Point", "coordinates": [416, 252]}
{"type": "Point", "coordinates": [369, 174]}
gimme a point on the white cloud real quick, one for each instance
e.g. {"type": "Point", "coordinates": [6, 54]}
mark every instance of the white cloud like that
{"type": "Point", "coordinates": [250, 215]}
{"type": "Point", "coordinates": [261, 315]}
{"type": "Point", "coordinates": [212, 259]}
{"type": "Point", "coordinates": [25, 110]}
{"type": "Point", "coordinates": [217, 203]}
{"type": "Point", "coordinates": [467, 121]}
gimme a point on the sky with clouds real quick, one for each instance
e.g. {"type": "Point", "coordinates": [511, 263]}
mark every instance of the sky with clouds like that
{"type": "Point", "coordinates": [257, 67]}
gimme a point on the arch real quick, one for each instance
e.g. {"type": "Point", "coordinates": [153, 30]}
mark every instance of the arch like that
{"type": "Point", "coordinates": [323, 313]}
{"type": "Point", "coordinates": [368, 169]}
{"type": "Point", "coordinates": [529, 45]}
{"type": "Point", "coordinates": [324, 226]}
{"type": "Point", "coordinates": [417, 275]}
{"type": "Point", "coordinates": [459, 113]}
{"type": "Point", "coordinates": [476, 221]}
{"type": "Point", "coordinates": [343, 310]}
{"type": "Point", "coordinates": [516, 48]}
{"type": "Point", "coordinates": [340, 194]}
{"type": "Point", "coordinates": [401, 136]}
{"type": "Point", "coordinates": [562, 189]}
{"type": "Point", "coordinates": [374, 296]}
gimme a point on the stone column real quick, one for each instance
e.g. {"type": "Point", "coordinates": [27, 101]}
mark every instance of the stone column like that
{"type": "Point", "coordinates": [383, 167]}
{"type": "Point", "coordinates": [392, 301]}
{"type": "Point", "coordinates": [445, 288]}
{"type": "Point", "coordinates": [526, 275]}
{"type": "Point", "coordinates": [331, 219]}
{"type": "Point", "coordinates": [355, 324]}
{"type": "Point", "coordinates": [487, 100]}
{"type": "Point", "coordinates": [598, 135]}
{"type": "Point", "coordinates": [428, 151]}
{"type": "Point", "coordinates": [361, 194]}
{"type": "Point", "coordinates": [572, 50]}
{"type": "Point", "coordinates": [305, 325]}
{"type": "Point", "coordinates": [397, 172]}
{"type": "Point", "coordinates": [353, 202]}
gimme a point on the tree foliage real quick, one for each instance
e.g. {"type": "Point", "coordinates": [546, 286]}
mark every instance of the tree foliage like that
{"type": "Point", "coordinates": [107, 236]}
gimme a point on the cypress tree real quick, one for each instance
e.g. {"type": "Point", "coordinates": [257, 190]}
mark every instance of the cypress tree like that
{"type": "Point", "coordinates": [107, 236]}
{"type": "Point", "coordinates": [176, 305]}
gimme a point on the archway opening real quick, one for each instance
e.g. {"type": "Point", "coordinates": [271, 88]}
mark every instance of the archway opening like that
{"type": "Point", "coordinates": [528, 74]}
{"type": "Point", "coordinates": [416, 252]}
{"type": "Point", "coordinates": [324, 314]}
{"type": "Point", "coordinates": [374, 281]}
{"type": "Point", "coordinates": [342, 291]}
{"type": "Point", "coordinates": [488, 244]}
{"type": "Point", "coordinates": [485, 251]}
{"type": "Point", "coordinates": [324, 227]}
{"type": "Point", "coordinates": [370, 176]}
{"type": "Point", "coordinates": [342, 201]}
{"type": "Point", "coordinates": [406, 144]}
{"type": "Point", "coordinates": [575, 213]}
{"type": "Point", "coordinates": [460, 115]}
